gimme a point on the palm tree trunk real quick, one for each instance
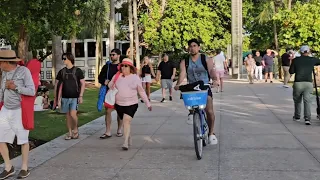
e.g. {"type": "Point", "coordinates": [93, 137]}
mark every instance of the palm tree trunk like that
{"type": "Point", "coordinates": [130, 28]}
{"type": "Point", "coordinates": [289, 4]}
{"type": "Point", "coordinates": [73, 45]}
{"type": "Point", "coordinates": [276, 41]}
{"type": "Point", "coordinates": [57, 63]}
{"type": "Point", "coordinates": [112, 24]}
{"type": "Point", "coordinates": [23, 43]}
{"type": "Point", "coordinates": [136, 34]}
{"type": "Point", "coordinates": [98, 59]}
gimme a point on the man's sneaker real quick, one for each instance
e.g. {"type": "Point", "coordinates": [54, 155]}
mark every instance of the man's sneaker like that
{"type": "Point", "coordinates": [5, 174]}
{"type": "Point", "coordinates": [307, 122]}
{"type": "Point", "coordinates": [23, 174]}
{"type": "Point", "coordinates": [271, 82]}
{"type": "Point", "coordinates": [295, 119]}
{"type": "Point", "coordinates": [213, 140]}
{"type": "Point", "coordinates": [170, 98]}
{"type": "Point", "coordinates": [190, 119]}
{"type": "Point", "coordinates": [285, 86]}
{"type": "Point", "coordinates": [163, 99]}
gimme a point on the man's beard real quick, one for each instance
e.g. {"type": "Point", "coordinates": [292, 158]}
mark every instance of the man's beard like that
{"type": "Point", "coordinates": [193, 54]}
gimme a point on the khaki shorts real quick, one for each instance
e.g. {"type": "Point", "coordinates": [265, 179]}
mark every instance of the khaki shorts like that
{"type": "Point", "coordinates": [11, 126]}
{"type": "Point", "coordinates": [166, 83]}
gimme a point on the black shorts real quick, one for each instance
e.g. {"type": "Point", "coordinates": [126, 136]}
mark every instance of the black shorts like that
{"type": "Point", "coordinates": [210, 92]}
{"type": "Point", "coordinates": [268, 69]}
{"type": "Point", "coordinates": [128, 110]}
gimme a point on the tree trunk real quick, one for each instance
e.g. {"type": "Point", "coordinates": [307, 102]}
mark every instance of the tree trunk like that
{"type": "Point", "coordinates": [73, 45]}
{"type": "Point", "coordinates": [163, 6]}
{"type": "Point", "coordinates": [130, 29]}
{"type": "Point", "coordinates": [57, 63]}
{"type": "Point", "coordinates": [136, 34]}
{"type": "Point", "coordinates": [289, 4]}
{"type": "Point", "coordinates": [98, 59]}
{"type": "Point", "coordinates": [23, 43]}
{"type": "Point", "coordinates": [112, 25]}
{"type": "Point", "coordinates": [276, 42]}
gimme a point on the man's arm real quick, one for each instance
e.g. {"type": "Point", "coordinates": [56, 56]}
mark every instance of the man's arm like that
{"type": "Point", "coordinates": [28, 89]}
{"type": "Point", "coordinates": [158, 72]}
{"type": "Point", "coordinates": [174, 73]}
{"type": "Point", "coordinates": [292, 68]}
{"type": "Point", "coordinates": [211, 69]}
{"type": "Point", "coordinates": [83, 86]}
{"type": "Point", "coordinates": [183, 72]}
{"type": "Point", "coordinates": [103, 75]}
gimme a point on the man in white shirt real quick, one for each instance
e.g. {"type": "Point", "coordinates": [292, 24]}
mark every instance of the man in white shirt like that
{"type": "Point", "coordinates": [221, 67]}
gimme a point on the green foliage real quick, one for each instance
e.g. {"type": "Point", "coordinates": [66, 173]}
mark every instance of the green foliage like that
{"type": "Point", "coordinates": [184, 20]}
{"type": "Point", "coordinates": [300, 26]}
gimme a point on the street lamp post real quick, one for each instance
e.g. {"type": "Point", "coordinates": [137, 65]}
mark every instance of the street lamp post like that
{"type": "Point", "coordinates": [236, 32]}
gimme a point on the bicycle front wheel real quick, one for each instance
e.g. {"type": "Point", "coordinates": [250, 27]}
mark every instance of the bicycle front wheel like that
{"type": "Point", "coordinates": [198, 143]}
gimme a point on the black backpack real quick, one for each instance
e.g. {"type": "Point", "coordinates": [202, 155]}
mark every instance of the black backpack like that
{"type": "Point", "coordinates": [74, 70]}
{"type": "Point", "coordinates": [203, 61]}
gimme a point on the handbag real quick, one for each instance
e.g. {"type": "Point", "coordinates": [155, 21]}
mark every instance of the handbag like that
{"type": "Point", "coordinates": [110, 97]}
{"type": "Point", "coordinates": [102, 92]}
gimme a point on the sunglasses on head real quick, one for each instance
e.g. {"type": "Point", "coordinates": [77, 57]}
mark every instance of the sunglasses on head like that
{"type": "Point", "coordinates": [113, 54]}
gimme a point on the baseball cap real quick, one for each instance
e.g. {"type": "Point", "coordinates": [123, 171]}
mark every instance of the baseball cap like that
{"type": "Point", "coordinates": [304, 49]}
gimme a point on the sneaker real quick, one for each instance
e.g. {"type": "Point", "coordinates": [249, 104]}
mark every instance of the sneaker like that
{"type": "Point", "coordinates": [170, 98]}
{"type": "Point", "coordinates": [271, 82]}
{"type": "Point", "coordinates": [266, 81]}
{"type": "Point", "coordinates": [285, 86]}
{"type": "Point", "coordinates": [307, 122]}
{"type": "Point", "coordinates": [23, 174]}
{"type": "Point", "coordinates": [5, 174]}
{"type": "Point", "coordinates": [190, 119]}
{"type": "Point", "coordinates": [295, 119]}
{"type": "Point", "coordinates": [213, 140]}
{"type": "Point", "coordinates": [163, 99]}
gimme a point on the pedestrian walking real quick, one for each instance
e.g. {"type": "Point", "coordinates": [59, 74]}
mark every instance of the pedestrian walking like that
{"type": "Point", "coordinates": [258, 68]}
{"type": "Point", "coordinates": [146, 72]}
{"type": "Point", "coordinates": [250, 66]}
{"type": "Point", "coordinates": [221, 68]}
{"type": "Point", "coordinates": [129, 85]}
{"type": "Point", "coordinates": [16, 81]}
{"type": "Point", "coordinates": [69, 89]}
{"type": "Point", "coordinates": [286, 59]}
{"type": "Point", "coordinates": [167, 71]}
{"type": "Point", "coordinates": [303, 67]}
{"type": "Point", "coordinates": [268, 62]}
{"type": "Point", "coordinates": [105, 76]}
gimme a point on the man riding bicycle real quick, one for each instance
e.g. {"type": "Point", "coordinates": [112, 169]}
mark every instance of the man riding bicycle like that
{"type": "Point", "coordinates": [199, 68]}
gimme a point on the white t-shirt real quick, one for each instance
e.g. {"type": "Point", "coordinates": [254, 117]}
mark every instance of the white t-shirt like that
{"type": "Point", "coordinates": [219, 61]}
{"type": "Point", "coordinates": [39, 100]}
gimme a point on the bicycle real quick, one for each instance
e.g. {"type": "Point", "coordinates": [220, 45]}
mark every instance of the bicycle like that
{"type": "Point", "coordinates": [195, 102]}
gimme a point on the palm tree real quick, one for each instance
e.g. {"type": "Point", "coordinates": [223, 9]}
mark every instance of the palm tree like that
{"type": "Point", "coordinates": [130, 28]}
{"type": "Point", "coordinates": [136, 34]}
{"type": "Point", "coordinates": [112, 24]}
{"type": "Point", "coordinates": [95, 20]}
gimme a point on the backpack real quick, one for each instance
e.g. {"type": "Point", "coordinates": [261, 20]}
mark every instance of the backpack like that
{"type": "Point", "coordinates": [203, 61]}
{"type": "Point", "coordinates": [64, 72]}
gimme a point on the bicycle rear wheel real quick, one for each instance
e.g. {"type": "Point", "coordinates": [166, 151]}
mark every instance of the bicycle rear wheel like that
{"type": "Point", "coordinates": [198, 143]}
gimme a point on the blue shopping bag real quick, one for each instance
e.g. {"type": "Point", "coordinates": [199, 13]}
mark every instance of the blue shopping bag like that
{"type": "Point", "coordinates": [102, 92]}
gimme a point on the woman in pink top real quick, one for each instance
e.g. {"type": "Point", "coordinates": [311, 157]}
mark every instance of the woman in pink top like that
{"type": "Point", "coordinates": [128, 85]}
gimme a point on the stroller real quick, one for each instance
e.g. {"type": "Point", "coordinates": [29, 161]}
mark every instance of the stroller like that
{"type": "Point", "coordinates": [317, 94]}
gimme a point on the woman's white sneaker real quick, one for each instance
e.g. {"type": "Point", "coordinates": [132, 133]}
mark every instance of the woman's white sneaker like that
{"type": "Point", "coordinates": [213, 140]}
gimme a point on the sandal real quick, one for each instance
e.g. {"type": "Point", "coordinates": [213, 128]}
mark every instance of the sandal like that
{"type": "Point", "coordinates": [68, 137]}
{"type": "Point", "coordinates": [119, 134]}
{"type": "Point", "coordinates": [75, 135]}
{"type": "Point", "coordinates": [105, 136]}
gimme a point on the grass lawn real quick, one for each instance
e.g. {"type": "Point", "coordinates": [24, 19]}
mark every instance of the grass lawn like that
{"type": "Point", "coordinates": [50, 124]}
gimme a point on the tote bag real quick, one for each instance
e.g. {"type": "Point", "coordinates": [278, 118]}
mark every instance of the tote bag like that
{"type": "Point", "coordinates": [110, 97]}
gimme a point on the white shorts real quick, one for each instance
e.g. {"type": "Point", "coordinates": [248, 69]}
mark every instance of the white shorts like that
{"type": "Point", "coordinates": [147, 78]}
{"type": "Point", "coordinates": [11, 126]}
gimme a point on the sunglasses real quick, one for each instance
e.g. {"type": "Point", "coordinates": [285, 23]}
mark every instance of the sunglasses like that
{"type": "Point", "coordinates": [113, 54]}
{"type": "Point", "coordinates": [124, 65]}
{"type": "Point", "coordinates": [63, 59]}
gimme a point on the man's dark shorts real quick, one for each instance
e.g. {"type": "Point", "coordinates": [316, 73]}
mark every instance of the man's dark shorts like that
{"type": "Point", "coordinates": [268, 69]}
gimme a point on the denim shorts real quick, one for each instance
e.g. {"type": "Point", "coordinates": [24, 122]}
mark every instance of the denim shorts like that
{"type": "Point", "coordinates": [69, 104]}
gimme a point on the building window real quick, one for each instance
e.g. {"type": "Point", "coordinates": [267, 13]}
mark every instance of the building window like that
{"type": "Point", "coordinates": [49, 74]}
{"type": "Point", "coordinates": [42, 75]}
{"type": "Point", "coordinates": [79, 50]}
{"type": "Point", "coordinates": [90, 73]}
{"type": "Point", "coordinates": [91, 49]}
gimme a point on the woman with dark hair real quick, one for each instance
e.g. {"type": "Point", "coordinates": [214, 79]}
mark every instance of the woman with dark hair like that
{"type": "Point", "coordinates": [146, 72]}
{"type": "Point", "coordinates": [129, 85]}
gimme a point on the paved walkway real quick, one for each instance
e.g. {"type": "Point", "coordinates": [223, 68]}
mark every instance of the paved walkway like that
{"type": "Point", "coordinates": [257, 140]}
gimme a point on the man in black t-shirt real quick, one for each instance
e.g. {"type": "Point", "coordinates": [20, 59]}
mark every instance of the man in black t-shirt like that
{"type": "Point", "coordinates": [105, 76]}
{"type": "Point", "coordinates": [72, 81]}
{"type": "Point", "coordinates": [258, 69]}
{"type": "Point", "coordinates": [286, 62]}
{"type": "Point", "coordinates": [167, 71]}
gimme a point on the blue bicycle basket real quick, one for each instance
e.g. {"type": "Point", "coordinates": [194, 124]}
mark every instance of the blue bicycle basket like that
{"type": "Point", "coordinates": [195, 98]}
